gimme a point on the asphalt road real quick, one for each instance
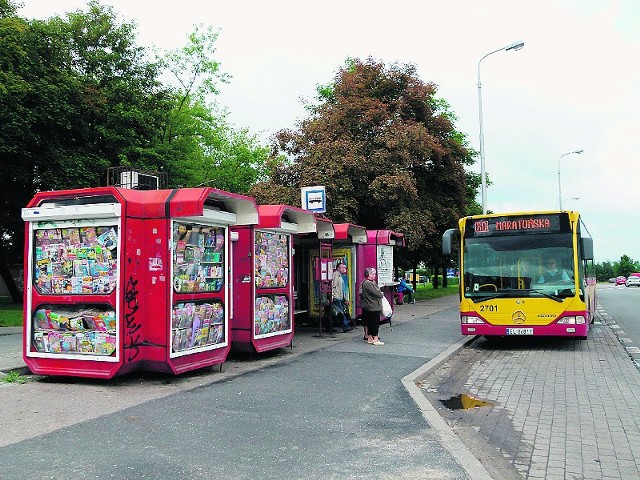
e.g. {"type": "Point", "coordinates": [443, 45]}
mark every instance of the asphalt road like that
{"type": "Point", "coordinates": [338, 412]}
{"type": "Point", "coordinates": [623, 305]}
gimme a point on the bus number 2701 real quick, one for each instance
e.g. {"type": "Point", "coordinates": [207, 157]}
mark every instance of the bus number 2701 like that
{"type": "Point", "coordinates": [488, 308]}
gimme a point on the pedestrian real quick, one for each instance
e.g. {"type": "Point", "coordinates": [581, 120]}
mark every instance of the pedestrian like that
{"type": "Point", "coordinates": [340, 302]}
{"type": "Point", "coordinates": [371, 300]}
{"type": "Point", "coordinates": [406, 290]}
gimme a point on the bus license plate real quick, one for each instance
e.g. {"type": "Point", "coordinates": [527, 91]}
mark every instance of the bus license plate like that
{"type": "Point", "coordinates": [519, 331]}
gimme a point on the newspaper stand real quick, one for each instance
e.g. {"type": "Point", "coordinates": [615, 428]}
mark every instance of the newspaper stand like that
{"type": "Point", "coordinates": [263, 277]}
{"type": "Point", "coordinates": [201, 292]}
{"type": "Point", "coordinates": [101, 270]}
{"type": "Point", "coordinates": [378, 252]}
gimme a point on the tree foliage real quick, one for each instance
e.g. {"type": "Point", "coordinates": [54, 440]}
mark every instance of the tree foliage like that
{"type": "Point", "coordinates": [210, 150]}
{"type": "Point", "coordinates": [387, 151]}
{"type": "Point", "coordinates": [625, 266]}
{"type": "Point", "coordinates": [78, 95]}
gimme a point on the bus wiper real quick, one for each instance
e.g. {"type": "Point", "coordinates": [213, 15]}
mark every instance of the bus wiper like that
{"type": "Point", "coordinates": [511, 291]}
{"type": "Point", "coordinates": [548, 295]}
{"type": "Point", "coordinates": [490, 297]}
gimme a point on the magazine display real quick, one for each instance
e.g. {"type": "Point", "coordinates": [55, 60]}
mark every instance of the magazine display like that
{"type": "Point", "coordinates": [75, 261]}
{"type": "Point", "coordinates": [85, 331]}
{"type": "Point", "coordinates": [271, 260]}
{"type": "Point", "coordinates": [197, 325]}
{"type": "Point", "coordinates": [198, 258]}
{"type": "Point", "coordinates": [271, 314]}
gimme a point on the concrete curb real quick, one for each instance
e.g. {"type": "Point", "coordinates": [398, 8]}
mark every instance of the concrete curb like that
{"type": "Point", "coordinates": [475, 470]}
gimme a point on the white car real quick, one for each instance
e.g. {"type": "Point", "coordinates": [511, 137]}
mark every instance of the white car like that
{"type": "Point", "coordinates": [633, 280]}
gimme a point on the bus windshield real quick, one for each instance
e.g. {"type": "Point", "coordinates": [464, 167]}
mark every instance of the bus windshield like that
{"type": "Point", "coordinates": [519, 266]}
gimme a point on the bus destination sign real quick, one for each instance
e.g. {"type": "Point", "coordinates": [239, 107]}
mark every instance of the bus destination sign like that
{"type": "Point", "coordinates": [518, 225]}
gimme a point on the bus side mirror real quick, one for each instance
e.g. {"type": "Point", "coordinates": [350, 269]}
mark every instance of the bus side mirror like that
{"type": "Point", "coordinates": [446, 241]}
{"type": "Point", "coordinates": [587, 248]}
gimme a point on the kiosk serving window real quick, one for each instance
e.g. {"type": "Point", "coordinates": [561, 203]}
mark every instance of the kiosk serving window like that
{"type": "Point", "coordinates": [198, 258]}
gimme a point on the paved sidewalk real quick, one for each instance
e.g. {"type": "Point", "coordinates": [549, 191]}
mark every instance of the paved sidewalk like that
{"type": "Point", "coordinates": [11, 349]}
{"type": "Point", "coordinates": [557, 409]}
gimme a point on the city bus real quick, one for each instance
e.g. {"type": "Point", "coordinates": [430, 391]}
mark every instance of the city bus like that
{"type": "Point", "coordinates": [509, 284]}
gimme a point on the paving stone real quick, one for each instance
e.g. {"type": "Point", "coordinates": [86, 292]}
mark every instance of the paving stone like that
{"type": "Point", "coordinates": [572, 408]}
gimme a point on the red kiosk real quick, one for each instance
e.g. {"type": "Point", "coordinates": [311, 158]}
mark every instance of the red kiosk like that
{"type": "Point", "coordinates": [119, 279]}
{"type": "Point", "coordinates": [378, 252]}
{"type": "Point", "coordinates": [263, 278]}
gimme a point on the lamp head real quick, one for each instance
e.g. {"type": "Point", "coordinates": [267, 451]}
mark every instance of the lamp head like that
{"type": "Point", "coordinates": [515, 46]}
{"type": "Point", "coordinates": [578, 151]}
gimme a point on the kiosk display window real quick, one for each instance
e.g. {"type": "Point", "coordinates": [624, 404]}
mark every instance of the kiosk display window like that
{"type": "Point", "coordinates": [198, 258]}
{"type": "Point", "coordinates": [196, 325]}
{"type": "Point", "coordinates": [271, 314]}
{"type": "Point", "coordinates": [78, 329]}
{"type": "Point", "coordinates": [271, 259]}
{"type": "Point", "coordinates": [75, 260]}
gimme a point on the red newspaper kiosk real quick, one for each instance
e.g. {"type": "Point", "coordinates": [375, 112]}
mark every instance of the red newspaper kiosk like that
{"type": "Point", "coordinates": [378, 252]}
{"type": "Point", "coordinates": [201, 290]}
{"type": "Point", "coordinates": [104, 276]}
{"type": "Point", "coordinates": [263, 299]}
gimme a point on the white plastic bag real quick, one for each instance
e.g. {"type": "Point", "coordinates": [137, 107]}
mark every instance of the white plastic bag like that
{"type": "Point", "coordinates": [386, 308]}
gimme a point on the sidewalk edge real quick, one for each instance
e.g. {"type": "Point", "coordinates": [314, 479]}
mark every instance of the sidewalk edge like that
{"type": "Point", "coordinates": [472, 466]}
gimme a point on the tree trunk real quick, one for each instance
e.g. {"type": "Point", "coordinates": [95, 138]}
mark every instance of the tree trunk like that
{"type": "Point", "coordinates": [5, 273]}
{"type": "Point", "coordinates": [444, 276]}
{"type": "Point", "coordinates": [436, 281]}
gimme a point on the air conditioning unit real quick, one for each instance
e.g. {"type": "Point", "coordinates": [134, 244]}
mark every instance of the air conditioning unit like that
{"type": "Point", "coordinates": [139, 181]}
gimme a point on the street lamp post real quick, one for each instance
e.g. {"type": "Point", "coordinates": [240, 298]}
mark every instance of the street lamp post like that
{"type": "Point", "coordinates": [577, 152]}
{"type": "Point", "coordinates": [515, 47]}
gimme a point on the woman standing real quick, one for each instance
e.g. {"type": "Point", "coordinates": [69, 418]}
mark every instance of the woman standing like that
{"type": "Point", "coordinates": [371, 299]}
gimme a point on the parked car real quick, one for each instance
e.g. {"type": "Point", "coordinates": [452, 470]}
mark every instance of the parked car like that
{"type": "Point", "coordinates": [633, 280]}
{"type": "Point", "coordinates": [621, 280]}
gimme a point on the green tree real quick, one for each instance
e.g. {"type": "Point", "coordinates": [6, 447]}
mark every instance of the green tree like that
{"type": "Point", "coordinates": [76, 96]}
{"type": "Point", "coordinates": [626, 266]}
{"type": "Point", "coordinates": [386, 149]}
{"type": "Point", "coordinates": [206, 149]}
{"type": "Point", "coordinates": [604, 271]}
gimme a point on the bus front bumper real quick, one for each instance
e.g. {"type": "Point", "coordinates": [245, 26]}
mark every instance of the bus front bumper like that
{"type": "Point", "coordinates": [553, 330]}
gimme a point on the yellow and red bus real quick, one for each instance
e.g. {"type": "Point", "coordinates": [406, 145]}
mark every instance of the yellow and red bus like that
{"type": "Point", "coordinates": [508, 283]}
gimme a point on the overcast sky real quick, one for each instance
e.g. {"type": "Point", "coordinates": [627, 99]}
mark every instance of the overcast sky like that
{"type": "Point", "coordinates": [574, 86]}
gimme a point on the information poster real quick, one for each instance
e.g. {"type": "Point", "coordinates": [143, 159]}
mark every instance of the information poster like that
{"type": "Point", "coordinates": [385, 265]}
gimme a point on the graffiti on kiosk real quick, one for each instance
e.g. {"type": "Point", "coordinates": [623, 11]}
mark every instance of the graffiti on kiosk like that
{"type": "Point", "coordinates": [133, 337]}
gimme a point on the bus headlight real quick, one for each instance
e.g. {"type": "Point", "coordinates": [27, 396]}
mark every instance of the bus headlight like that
{"type": "Point", "coordinates": [573, 320]}
{"type": "Point", "coordinates": [470, 319]}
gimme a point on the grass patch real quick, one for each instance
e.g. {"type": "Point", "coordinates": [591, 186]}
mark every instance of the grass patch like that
{"type": "Point", "coordinates": [427, 292]}
{"type": "Point", "coordinates": [13, 377]}
{"type": "Point", "coordinates": [11, 315]}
